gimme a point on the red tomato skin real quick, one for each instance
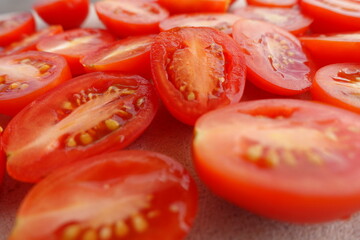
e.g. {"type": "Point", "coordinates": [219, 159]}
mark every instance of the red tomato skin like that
{"type": "Point", "coordinates": [53, 12]}
{"type": "Point", "coordinates": [128, 25]}
{"type": "Point", "coordinates": [190, 6]}
{"type": "Point", "coordinates": [46, 107]}
{"type": "Point", "coordinates": [331, 18]}
{"type": "Point", "coordinates": [185, 111]}
{"type": "Point", "coordinates": [12, 103]}
{"type": "Point", "coordinates": [27, 26]}
{"type": "Point", "coordinates": [273, 3]}
{"type": "Point", "coordinates": [253, 192]}
{"type": "Point", "coordinates": [131, 177]}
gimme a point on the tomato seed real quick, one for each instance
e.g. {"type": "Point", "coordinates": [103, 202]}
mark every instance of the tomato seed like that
{"type": "Point", "coordinates": [139, 223]}
{"type": "Point", "coordinates": [105, 233]}
{"type": "Point", "coordinates": [121, 229]}
{"type": "Point", "coordinates": [112, 124]}
{"type": "Point", "coordinates": [90, 235]}
{"type": "Point", "coordinates": [86, 138]}
{"type": "Point", "coordinates": [71, 232]}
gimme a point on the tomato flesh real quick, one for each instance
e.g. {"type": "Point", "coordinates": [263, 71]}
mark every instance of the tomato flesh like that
{"type": "Point", "coordinates": [297, 155]}
{"type": "Point", "coordinates": [121, 107]}
{"type": "Point", "coordinates": [189, 6]}
{"type": "Point", "coordinates": [120, 195]}
{"type": "Point", "coordinates": [196, 70]}
{"type": "Point", "coordinates": [275, 59]}
{"type": "Point", "coordinates": [26, 76]}
{"type": "Point", "coordinates": [273, 3]}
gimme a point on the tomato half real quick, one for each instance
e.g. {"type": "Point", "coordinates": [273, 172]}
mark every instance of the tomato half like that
{"type": "Point", "coordinates": [274, 57]}
{"type": "Point", "coordinates": [273, 3]}
{"type": "Point", "coordinates": [14, 27]}
{"type": "Point", "coordinates": [188, 6]}
{"type": "Point", "coordinates": [125, 55]}
{"type": "Point", "coordinates": [121, 195]}
{"type": "Point", "coordinates": [29, 43]}
{"type": "Point", "coordinates": [75, 44]}
{"type": "Point", "coordinates": [67, 13]}
{"type": "Point", "coordinates": [289, 19]}
{"type": "Point", "coordinates": [333, 15]}
{"type": "Point", "coordinates": [333, 48]}
{"type": "Point", "coordinates": [290, 160]}
{"type": "Point", "coordinates": [196, 70]}
{"type": "Point", "coordinates": [338, 84]}
{"type": "Point", "coordinates": [26, 76]}
{"type": "Point", "coordinates": [220, 21]}
{"type": "Point", "coordinates": [128, 17]}
{"type": "Point", "coordinates": [83, 117]}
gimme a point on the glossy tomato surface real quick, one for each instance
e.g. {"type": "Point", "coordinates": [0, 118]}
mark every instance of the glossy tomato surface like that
{"type": "Point", "coordinates": [285, 159]}
{"type": "Point", "coordinates": [127, 17]}
{"type": "Point", "coordinates": [220, 21]}
{"type": "Point", "coordinates": [290, 19]}
{"type": "Point", "coordinates": [120, 195]}
{"type": "Point", "coordinates": [188, 6]}
{"type": "Point", "coordinates": [75, 44]}
{"type": "Point", "coordinates": [67, 13]}
{"type": "Point", "coordinates": [338, 84]}
{"type": "Point", "coordinates": [275, 59]}
{"type": "Point", "coordinates": [196, 70]}
{"type": "Point", "coordinates": [26, 76]}
{"type": "Point", "coordinates": [15, 26]}
{"type": "Point", "coordinates": [86, 116]}
{"type": "Point", "coordinates": [333, 48]}
{"type": "Point", "coordinates": [333, 15]}
{"type": "Point", "coordinates": [273, 3]}
{"type": "Point", "coordinates": [125, 55]}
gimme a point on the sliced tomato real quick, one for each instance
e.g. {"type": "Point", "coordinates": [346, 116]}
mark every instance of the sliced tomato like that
{"type": "Point", "coordinates": [189, 6]}
{"type": "Point", "coordinates": [86, 116]}
{"type": "Point", "coordinates": [273, 3]}
{"type": "Point", "coordinates": [26, 76]}
{"type": "Point", "coordinates": [289, 19]}
{"type": "Point", "coordinates": [274, 57]}
{"type": "Point", "coordinates": [16, 26]}
{"type": "Point", "coordinates": [29, 43]}
{"type": "Point", "coordinates": [338, 84]}
{"type": "Point", "coordinates": [67, 13]}
{"type": "Point", "coordinates": [127, 17]}
{"type": "Point", "coordinates": [125, 55]}
{"type": "Point", "coordinates": [220, 21]}
{"type": "Point", "coordinates": [290, 160]}
{"type": "Point", "coordinates": [333, 48]}
{"type": "Point", "coordinates": [121, 195]}
{"type": "Point", "coordinates": [333, 15]}
{"type": "Point", "coordinates": [2, 157]}
{"type": "Point", "coordinates": [75, 44]}
{"type": "Point", "coordinates": [196, 70]}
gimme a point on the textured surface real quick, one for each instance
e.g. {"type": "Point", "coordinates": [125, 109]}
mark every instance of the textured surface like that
{"type": "Point", "coordinates": [217, 219]}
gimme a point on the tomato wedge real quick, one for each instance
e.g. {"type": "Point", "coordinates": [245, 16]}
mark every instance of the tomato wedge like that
{"type": "Point", "coordinates": [300, 156]}
{"type": "Point", "coordinates": [120, 195]}
{"type": "Point", "coordinates": [333, 15]}
{"type": "Point", "coordinates": [345, 47]}
{"type": "Point", "coordinates": [124, 55]}
{"type": "Point", "coordinates": [220, 21]}
{"type": "Point", "coordinates": [128, 17]}
{"type": "Point", "coordinates": [338, 84]}
{"type": "Point", "coordinates": [86, 116]}
{"type": "Point", "coordinates": [275, 60]}
{"type": "Point", "coordinates": [273, 3]}
{"type": "Point", "coordinates": [75, 44]}
{"type": "Point", "coordinates": [188, 6]}
{"type": "Point", "coordinates": [14, 27]}
{"type": "Point", "coordinates": [26, 76]}
{"type": "Point", "coordinates": [289, 19]}
{"type": "Point", "coordinates": [67, 13]}
{"type": "Point", "coordinates": [196, 70]}
{"type": "Point", "coordinates": [29, 43]}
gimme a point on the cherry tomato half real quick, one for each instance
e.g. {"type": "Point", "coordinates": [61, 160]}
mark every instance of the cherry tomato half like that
{"type": "Point", "coordinates": [197, 69]}
{"type": "Point", "coordinates": [286, 159]}
{"type": "Point", "coordinates": [26, 76]}
{"type": "Point", "coordinates": [83, 117]}
{"type": "Point", "coordinates": [120, 195]}
{"type": "Point", "coordinates": [333, 15]}
{"type": "Point", "coordinates": [67, 13]}
{"type": "Point", "coordinates": [75, 44]}
{"type": "Point", "coordinates": [16, 26]}
{"type": "Point", "coordinates": [128, 17]}
{"type": "Point", "coordinates": [338, 84]}
{"type": "Point", "coordinates": [274, 57]}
